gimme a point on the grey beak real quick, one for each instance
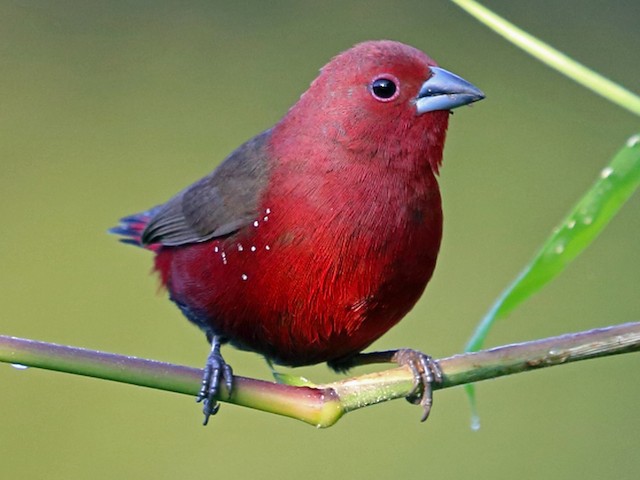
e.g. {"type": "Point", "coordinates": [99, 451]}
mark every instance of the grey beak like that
{"type": "Point", "coordinates": [445, 91]}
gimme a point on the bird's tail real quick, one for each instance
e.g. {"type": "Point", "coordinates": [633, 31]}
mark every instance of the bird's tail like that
{"type": "Point", "coordinates": [130, 229]}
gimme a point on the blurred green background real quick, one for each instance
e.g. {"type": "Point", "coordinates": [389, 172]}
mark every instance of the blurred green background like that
{"type": "Point", "coordinates": [107, 108]}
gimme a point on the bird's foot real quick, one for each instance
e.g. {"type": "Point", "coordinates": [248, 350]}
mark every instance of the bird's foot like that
{"type": "Point", "coordinates": [426, 372]}
{"type": "Point", "coordinates": [216, 371]}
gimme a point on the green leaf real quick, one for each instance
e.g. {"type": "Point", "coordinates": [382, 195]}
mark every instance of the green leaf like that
{"type": "Point", "coordinates": [615, 185]}
{"type": "Point", "coordinates": [292, 380]}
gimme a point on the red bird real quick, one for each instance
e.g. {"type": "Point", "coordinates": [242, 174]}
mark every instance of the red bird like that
{"type": "Point", "coordinates": [315, 237]}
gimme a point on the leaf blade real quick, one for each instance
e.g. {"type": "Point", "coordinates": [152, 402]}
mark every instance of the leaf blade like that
{"type": "Point", "coordinates": [587, 219]}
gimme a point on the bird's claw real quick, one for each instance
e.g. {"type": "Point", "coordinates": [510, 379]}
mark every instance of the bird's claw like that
{"type": "Point", "coordinates": [426, 372]}
{"type": "Point", "coordinates": [215, 371]}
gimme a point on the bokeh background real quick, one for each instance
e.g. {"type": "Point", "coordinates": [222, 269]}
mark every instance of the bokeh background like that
{"type": "Point", "coordinates": [107, 108]}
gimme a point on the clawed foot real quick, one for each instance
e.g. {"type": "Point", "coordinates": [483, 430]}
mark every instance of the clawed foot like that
{"type": "Point", "coordinates": [216, 370]}
{"type": "Point", "coordinates": [426, 372]}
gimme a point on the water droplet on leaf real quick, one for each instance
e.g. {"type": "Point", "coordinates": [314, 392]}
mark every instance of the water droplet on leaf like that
{"type": "Point", "coordinates": [633, 141]}
{"type": "Point", "coordinates": [606, 172]}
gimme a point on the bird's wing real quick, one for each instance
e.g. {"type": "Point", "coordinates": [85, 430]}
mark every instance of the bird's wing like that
{"type": "Point", "coordinates": [218, 204]}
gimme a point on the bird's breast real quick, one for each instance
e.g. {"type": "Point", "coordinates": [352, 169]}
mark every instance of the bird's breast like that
{"type": "Point", "coordinates": [324, 269]}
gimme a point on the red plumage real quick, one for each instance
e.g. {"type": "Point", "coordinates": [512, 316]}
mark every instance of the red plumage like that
{"type": "Point", "coordinates": [314, 238]}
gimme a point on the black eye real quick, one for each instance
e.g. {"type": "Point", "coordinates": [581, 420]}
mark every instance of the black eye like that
{"type": "Point", "coordinates": [384, 89]}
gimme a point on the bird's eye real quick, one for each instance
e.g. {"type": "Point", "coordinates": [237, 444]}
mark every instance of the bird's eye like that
{"type": "Point", "coordinates": [384, 89]}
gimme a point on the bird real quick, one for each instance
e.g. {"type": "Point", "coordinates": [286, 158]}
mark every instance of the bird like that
{"type": "Point", "coordinates": [315, 237]}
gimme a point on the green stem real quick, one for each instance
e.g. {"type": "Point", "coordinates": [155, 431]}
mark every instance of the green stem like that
{"type": "Point", "coordinates": [553, 58]}
{"type": "Point", "coordinates": [324, 405]}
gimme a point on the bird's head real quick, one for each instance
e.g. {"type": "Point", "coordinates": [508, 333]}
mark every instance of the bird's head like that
{"type": "Point", "coordinates": [383, 98]}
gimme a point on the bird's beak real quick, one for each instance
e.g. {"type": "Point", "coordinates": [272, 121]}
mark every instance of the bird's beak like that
{"type": "Point", "coordinates": [445, 91]}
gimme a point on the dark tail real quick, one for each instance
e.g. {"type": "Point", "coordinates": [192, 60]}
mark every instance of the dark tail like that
{"type": "Point", "coordinates": [131, 228]}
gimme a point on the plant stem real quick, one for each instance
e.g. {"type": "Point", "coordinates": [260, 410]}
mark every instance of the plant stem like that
{"type": "Point", "coordinates": [553, 58]}
{"type": "Point", "coordinates": [323, 405]}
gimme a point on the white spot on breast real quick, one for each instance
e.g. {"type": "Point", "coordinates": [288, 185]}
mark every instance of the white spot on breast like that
{"type": "Point", "coordinates": [244, 276]}
{"type": "Point", "coordinates": [215, 249]}
{"type": "Point", "coordinates": [240, 248]}
{"type": "Point", "coordinates": [267, 247]}
{"type": "Point", "coordinates": [267, 211]}
{"type": "Point", "coordinates": [253, 248]}
{"type": "Point", "coordinates": [224, 258]}
{"type": "Point", "coordinates": [256, 223]}
{"type": "Point", "coordinates": [265, 218]}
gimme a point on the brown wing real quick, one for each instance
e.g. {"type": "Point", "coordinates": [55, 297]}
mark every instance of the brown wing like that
{"type": "Point", "coordinates": [217, 205]}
